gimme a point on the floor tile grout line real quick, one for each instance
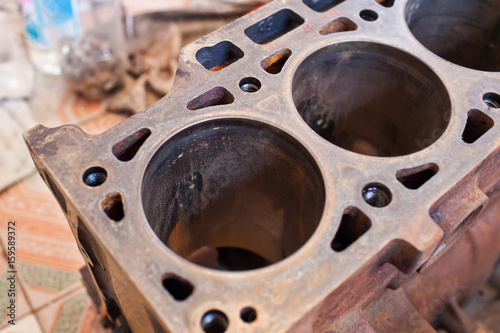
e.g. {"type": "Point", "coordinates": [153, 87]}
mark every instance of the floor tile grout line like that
{"type": "Point", "coordinates": [58, 314]}
{"type": "Point", "coordinates": [61, 295]}
{"type": "Point", "coordinates": [36, 312]}
{"type": "Point", "coordinates": [30, 306]}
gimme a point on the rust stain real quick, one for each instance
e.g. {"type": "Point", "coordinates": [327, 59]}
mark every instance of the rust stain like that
{"type": "Point", "coordinates": [213, 97]}
{"type": "Point", "coordinates": [126, 149]}
{"type": "Point", "coordinates": [275, 62]}
{"type": "Point", "coordinates": [339, 25]}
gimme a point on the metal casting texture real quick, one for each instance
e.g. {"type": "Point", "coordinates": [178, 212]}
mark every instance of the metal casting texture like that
{"type": "Point", "coordinates": [281, 126]}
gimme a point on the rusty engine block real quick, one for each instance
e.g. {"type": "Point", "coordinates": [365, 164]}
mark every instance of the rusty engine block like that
{"type": "Point", "coordinates": [320, 166]}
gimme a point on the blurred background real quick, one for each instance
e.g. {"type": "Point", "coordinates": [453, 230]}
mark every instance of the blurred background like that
{"type": "Point", "coordinates": [91, 63]}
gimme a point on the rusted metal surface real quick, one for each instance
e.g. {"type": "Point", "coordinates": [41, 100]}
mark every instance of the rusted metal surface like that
{"type": "Point", "coordinates": [340, 182]}
{"type": "Point", "coordinates": [274, 64]}
{"type": "Point", "coordinates": [214, 97]}
{"type": "Point", "coordinates": [339, 25]}
{"type": "Point", "coordinates": [126, 149]}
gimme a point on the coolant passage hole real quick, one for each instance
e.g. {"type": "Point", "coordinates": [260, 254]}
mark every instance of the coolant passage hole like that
{"type": "Point", "coordinates": [233, 194]}
{"type": "Point", "coordinates": [371, 99]}
{"type": "Point", "coordinates": [465, 32]}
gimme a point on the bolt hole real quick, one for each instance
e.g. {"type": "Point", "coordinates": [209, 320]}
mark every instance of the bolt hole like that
{"type": "Point", "coordinates": [248, 315]}
{"type": "Point", "coordinates": [492, 100]}
{"type": "Point", "coordinates": [377, 195]}
{"type": "Point", "coordinates": [214, 321]}
{"type": "Point", "coordinates": [95, 176]}
{"type": "Point", "coordinates": [250, 85]}
{"type": "Point", "coordinates": [368, 15]}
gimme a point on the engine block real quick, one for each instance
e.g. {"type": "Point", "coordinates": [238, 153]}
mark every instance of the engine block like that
{"type": "Point", "coordinates": [319, 166]}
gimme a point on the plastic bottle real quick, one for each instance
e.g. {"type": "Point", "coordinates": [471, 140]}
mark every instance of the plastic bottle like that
{"type": "Point", "coordinates": [46, 21]}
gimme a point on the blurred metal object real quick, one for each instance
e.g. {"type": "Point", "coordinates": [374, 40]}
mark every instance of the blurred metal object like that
{"type": "Point", "coordinates": [314, 168]}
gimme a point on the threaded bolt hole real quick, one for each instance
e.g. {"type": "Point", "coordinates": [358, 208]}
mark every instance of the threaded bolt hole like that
{"type": "Point", "coordinates": [248, 314]}
{"type": "Point", "coordinates": [214, 321]}
{"type": "Point", "coordinates": [95, 176]}
{"type": "Point", "coordinates": [377, 195]}
{"type": "Point", "coordinates": [250, 85]}
{"type": "Point", "coordinates": [368, 15]}
{"type": "Point", "coordinates": [492, 100]}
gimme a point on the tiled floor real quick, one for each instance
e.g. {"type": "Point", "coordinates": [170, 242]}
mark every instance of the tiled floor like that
{"type": "Point", "coordinates": [50, 296]}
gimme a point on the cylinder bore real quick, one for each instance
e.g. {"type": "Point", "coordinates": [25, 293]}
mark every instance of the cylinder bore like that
{"type": "Point", "coordinates": [465, 32]}
{"type": "Point", "coordinates": [371, 99]}
{"type": "Point", "coordinates": [233, 194]}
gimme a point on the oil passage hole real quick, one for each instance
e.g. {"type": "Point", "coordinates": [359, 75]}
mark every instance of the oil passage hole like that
{"type": "Point", "coordinates": [214, 321]}
{"type": "Point", "coordinates": [386, 3]}
{"type": "Point", "coordinates": [219, 56]}
{"type": "Point", "coordinates": [95, 176]}
{"type": "Point", "coordinates": [179, 288]}
{"type": "Point", "coordinates": [126, 149]}
{"type": "Point", "coordinates": [112, 205]}
{"type": "Point", "coordinates": [322, 5]}
{"type": "Point", "coordinates": [275, 63]}
{"type": "Point", "coordinates": [478, 124]}
{"type": "Point", "coordinates": [341, 24]}
{"type": "Point", "coordinates": [250, 85]}
{"type": "Point", "coordinates": [354, 224]}
{"type": "Point", "coordinates": [214, 97]}
{"type": "Point", "coordinates": [377, 195]}
{"type": "Point", "coordinates": [415, 178]}
{"type": "Point", "coordinates": [492, 100]}
{"type": "Point", "coordinates": [225, 194]}
{"type": "Point", "coordinates": [371, 99]}
{"type": "Point", "coordinates": [274, 26]}
{"type": "Point", "coordinates": [368, 15]}
{"type": "Point", "coordinates": [464, 32]}
{"type": "Point", "coordinates": [248, 315]}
